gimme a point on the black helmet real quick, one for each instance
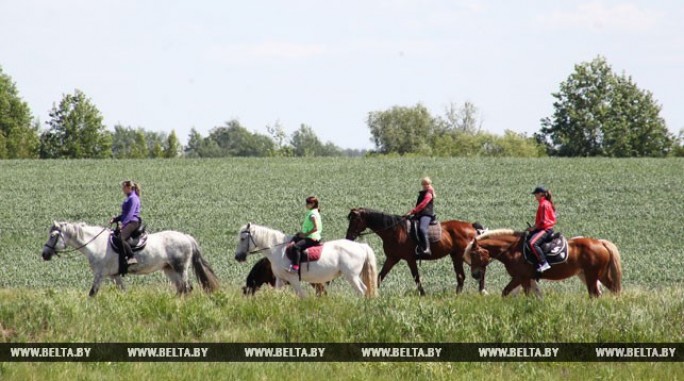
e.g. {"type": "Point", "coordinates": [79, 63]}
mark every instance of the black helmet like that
{"type": "Point", "coordinates": [540, 189]}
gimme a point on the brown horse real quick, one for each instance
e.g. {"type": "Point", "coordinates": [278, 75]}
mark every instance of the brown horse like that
{"type": "Point", "coordinates": [398, 244]}
{"type": "Point", "coordinates": [592, 260]}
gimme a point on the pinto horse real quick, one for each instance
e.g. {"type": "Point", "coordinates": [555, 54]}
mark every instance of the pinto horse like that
{"type": "Point", "coordinates": [592, 260]}
{"type": "Point", "coordinates": [398, 244]}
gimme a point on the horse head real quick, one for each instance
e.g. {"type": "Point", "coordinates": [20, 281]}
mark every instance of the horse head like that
{"type": "Point", "coordinates": [245, 243]}
{"type": "Point", "coordinates": [479, 258]}
{"type": "Point", "coordinates": [357, 223]}
{"type": "Point", "coordinates": [56, 241]}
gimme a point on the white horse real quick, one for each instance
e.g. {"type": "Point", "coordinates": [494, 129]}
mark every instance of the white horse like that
{"type": "Point", "coordinates": [355, 261]}
{"type": "Point", "coordinates": [169, 251]}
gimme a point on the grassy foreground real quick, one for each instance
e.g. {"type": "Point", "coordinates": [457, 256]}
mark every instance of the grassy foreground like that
{"type": "Point", "coordinates": [155, 315]}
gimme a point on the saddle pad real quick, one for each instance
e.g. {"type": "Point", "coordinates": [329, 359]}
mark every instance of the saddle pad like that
{"type": "Point", "coordinates": [556, 252]}
{"type": "Point", "coordinates": [313, 253]}
{"type": "Point", "coordinates": [434, 231]}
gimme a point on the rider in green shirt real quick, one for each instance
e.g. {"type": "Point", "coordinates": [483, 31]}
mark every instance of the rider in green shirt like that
{"type": "Point", "coordinates": [312, 227]}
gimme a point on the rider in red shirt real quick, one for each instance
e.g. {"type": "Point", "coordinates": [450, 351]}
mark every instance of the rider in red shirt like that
{"type": "Point", "coordinates": [543, 226]}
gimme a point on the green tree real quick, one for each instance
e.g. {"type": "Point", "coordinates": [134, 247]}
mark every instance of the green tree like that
{"type": "Point", "coordinates": [281, 147]}
{"type": "Point", "coordinates": [402, 130]}
{"type": "Point", "coordinates": [76, 130]}
{"type": "Point", "coordinates": [139, 149]}
{"type": "Point", "coordinates": [195, 142]}
{"type": "Point", "coordinates": [123, 140]}
{"type": "Point", "coordinates": [305, 142]}
{"type": "Point", "coordinates": [19, 138]}
{"type": "Point", "coordinates": [235, 140]}
{"type": "Point", "coordinates": [172, 148]}
{"type": "Point", "coordinates": [600, 113]}
{"type": "Point", "coordinates": [155, 143]}
{"type": "Point", "coordinates": [678, 148]}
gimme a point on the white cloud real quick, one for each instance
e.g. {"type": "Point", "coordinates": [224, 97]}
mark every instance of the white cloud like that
{"type": "Point", "coordinates": [599, 16]}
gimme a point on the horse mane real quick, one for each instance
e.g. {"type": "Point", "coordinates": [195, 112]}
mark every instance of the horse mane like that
{"type": "Point", "coordinates": [379, 220]}
{"type": "Point", "coordinates": [498, 233]}
{"type": "Point", "coordinates": [485, 235]}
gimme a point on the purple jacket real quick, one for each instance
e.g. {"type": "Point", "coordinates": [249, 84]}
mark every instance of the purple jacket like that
{"type": "Point", "coordinates": [130, 210]}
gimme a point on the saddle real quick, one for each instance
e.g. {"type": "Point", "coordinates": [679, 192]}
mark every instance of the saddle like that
{"type": "Point", "coordinates": [137, 241]}
{"type": "Point", "coordinates": [555, 248]}
{"type": "Point", "coordinates": [434, 231]}
{"type": "Point", "coordinates": [311, 254]}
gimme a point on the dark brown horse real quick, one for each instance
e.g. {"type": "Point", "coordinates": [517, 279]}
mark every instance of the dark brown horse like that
{"type": "Point", "coordinates": [592, 260]}
{"type": "Point", "coordinates": [262, 274]}
{"type": "Point", "coordinates": [398, 244]}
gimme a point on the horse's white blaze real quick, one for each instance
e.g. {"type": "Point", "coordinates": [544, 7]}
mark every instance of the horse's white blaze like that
{"type": "Point", "coordinates": [338, 258]}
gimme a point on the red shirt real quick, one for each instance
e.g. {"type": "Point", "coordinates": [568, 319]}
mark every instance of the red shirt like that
{"type": "Point", "coordinates": [546, 216]}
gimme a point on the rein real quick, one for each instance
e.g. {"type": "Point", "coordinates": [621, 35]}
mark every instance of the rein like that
{"type": "Point", "coordinates": [57, 252]}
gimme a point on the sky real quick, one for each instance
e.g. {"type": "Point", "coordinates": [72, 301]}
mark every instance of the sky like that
{"type": "Point", "coordinates": [174, 65]}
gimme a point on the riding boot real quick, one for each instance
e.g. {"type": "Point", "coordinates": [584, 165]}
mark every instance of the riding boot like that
{"type": "Point", "coordinates": [128, 253]}
{"type": "Point", "coordinates": [425, 245]}
{"type": "Point", "coordinates": [297, 256]}
{"type": "Point", "coordinates": [543, 265]}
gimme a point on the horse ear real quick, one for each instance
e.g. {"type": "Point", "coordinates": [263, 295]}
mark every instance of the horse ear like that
{"type": "Point", "coordinates": [249, 225]}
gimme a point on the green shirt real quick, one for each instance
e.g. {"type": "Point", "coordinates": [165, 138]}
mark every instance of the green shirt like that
{"type": "Point", "coordinates": [308, 225]}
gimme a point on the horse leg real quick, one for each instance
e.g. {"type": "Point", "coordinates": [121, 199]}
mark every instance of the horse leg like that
{"type": "Point", "coordinates": [96, 284]}
{"type": "Point", "coordinates": [460, 273]}
{"type": "Point", "coordinates": [386, 267]}
{"type": "Point", "coordinates": [530, 285]}
{"type": "Point", "coordinates": [591, 278]}
{"type": "Point", "coordinates": [356, 283]}
{"type": "Point", "coordinates": [175, 278]}
{"type": "Point", "coordinates": [297, 286]}
{"type": "Point", "coordinates": [118, 280]}
{"type": "Point", "coordinates": [416, 276]}
{"type": "Point", "coordinates": [512, 285]}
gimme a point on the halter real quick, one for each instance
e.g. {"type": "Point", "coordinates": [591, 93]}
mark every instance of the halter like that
{"type": "Point", "coordinates": [61, 234]}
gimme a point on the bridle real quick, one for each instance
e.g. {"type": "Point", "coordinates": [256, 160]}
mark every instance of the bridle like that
{"type": "Point", "coordinates": [251, 239]}
{"type": "Point", "coordinates": [60, 234]}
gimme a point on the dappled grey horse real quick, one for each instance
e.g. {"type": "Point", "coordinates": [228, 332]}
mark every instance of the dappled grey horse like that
{"type": "Point", "coordinates": [169, 251]}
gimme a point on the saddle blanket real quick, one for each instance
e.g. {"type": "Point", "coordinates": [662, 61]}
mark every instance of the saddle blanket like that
{"type": "Point", "coordinates": [556, 250]}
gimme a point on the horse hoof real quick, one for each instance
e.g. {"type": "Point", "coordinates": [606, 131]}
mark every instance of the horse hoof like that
{"type": "Point", "coordinates": [484, 293]}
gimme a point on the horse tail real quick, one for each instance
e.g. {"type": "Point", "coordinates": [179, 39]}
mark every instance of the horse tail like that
{"type": "Point", "coordinates": [205, 275]}
{"type": "Point", "coordinates": [614, 267]}
{"type": "Point", "coordinates": [369, 273]}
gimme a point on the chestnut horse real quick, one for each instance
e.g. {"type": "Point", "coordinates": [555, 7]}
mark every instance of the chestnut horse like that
{"type": "Point", "coordinates": [592, 260]}
{"type": "Point", "coordinates": [398, 244]}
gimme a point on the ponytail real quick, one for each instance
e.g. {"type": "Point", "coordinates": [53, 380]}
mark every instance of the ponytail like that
{"type": "Point", "coordinates": [138, 191]}
{"type": "Point", "coordinates": [134, 186]}
{"type": "Point", "coordinates": [548, 196]}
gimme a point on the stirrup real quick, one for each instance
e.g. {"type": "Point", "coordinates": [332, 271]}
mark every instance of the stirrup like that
{"type": "Point", "coordinates": [132, 261]}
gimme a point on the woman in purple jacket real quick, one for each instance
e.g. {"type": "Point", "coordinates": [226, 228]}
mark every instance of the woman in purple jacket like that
{"type": "Point", "coordinates": [129, 217]}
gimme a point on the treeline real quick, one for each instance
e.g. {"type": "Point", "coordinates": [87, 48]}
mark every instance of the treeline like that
{"type": "Point", "coordinates": [596, 113]}
{"type": "Point", "coordinates": [233, 139]}
{"type": "Point", "coordinates": [76, 130]}
{"type": "Point", "coordinates": [458, 132]}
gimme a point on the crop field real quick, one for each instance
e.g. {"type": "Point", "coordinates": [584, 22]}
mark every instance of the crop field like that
{"type": "Point", "coordinates": [637, 204]}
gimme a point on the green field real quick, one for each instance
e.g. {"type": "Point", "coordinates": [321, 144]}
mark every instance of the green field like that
{"type": "Point", "coordinates": [638, 204]}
